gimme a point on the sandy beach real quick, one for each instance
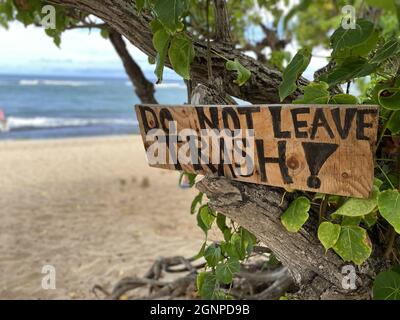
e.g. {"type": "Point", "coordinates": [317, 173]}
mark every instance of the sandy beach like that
{"type": "Point", "coordinates": [90, 207]}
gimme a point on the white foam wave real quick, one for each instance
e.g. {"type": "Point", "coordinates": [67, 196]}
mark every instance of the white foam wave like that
{"type": "Point", "coordinates": [64, 83]}
{"type": "Point", "coordinates": [29, 82]}
{"type": "Point", "coordinates": [16, 123]}
{"type": "Point", "coordinates": [171, 85]}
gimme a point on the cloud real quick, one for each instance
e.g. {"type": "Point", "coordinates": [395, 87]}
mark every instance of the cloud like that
{"type": "Point", "coordinates": [30, 50]}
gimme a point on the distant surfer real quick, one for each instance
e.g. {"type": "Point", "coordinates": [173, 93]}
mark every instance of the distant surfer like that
{"type": "Point", "coordinates": [3, 121]}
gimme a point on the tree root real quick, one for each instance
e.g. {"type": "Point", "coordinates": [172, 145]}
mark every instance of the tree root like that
{"type": "Point", "coordinates": [255, 281]}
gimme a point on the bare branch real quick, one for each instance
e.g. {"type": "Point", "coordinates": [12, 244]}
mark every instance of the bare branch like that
{"type": "Point", "coordinates": [143, 87]}
{"type": "Point", "coordinates": [222, 24]}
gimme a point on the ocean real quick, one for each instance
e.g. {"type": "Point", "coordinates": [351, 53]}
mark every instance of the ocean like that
{"type": "Point", "coordinates": [41, 107]}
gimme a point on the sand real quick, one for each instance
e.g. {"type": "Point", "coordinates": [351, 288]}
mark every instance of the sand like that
{"type": "Point", "coordinates": [93, 209]}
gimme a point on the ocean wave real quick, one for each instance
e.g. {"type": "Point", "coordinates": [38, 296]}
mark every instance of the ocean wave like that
{"type": "Point", "coordinates": [64, 83]}
{"type": "Point", "coordinates": [171, 85]}
{"type": "Point", "coordinates": [16, 123]}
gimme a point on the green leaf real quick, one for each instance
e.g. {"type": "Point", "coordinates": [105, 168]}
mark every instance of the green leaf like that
{"type": "Point", "coordinates": [353, 67]}
{"type": "Point", "coordinates": [200, 254]}
{"type": "Point", "coordinates": [381, 85]}
{"type": "Point", "coordinates": [378, 183]}
{"type": "Point", "coordinates": [156, 25]}
{"type": "Point", "coordinates": [389, 207]}
{"type": "Point", "coordinates": [249, 240]}
{"type": "Point", "coordinates": [225, 271]}
{"type": "Point", "coordinates": [389, 49]}
{"type": "Point", "coordinates": [370, 219]}
{"type": "Point", "coordinates": [361, 50]}
{"type": "Point", "coordinates": [353, 244]}
{"type": "Point", "coordinates": [190, 176]}
{"type": "Point", "coordinates": [161, 42]}
{"type": "Point", "coordinates": [328, 234]}
{"type": "Point", "coordinates": [356, 67]}
{"type": "Point", "coordinates": [354, 207]}
{"type": "Point", "coordinates": [196, 201]}
{"type": "Point", "coordinates": [140, 5]}
{"type": "Point", "coordinates": [237, 247]}
{"type": "Point", "coordinates": [389, 98]}
{"type": "Point", "coordinates": [315, 93]}
{"type": "Point", "coordinates": [227, 234]}
{"type": "Point", "coordinates": [350, 38]}
{"type": "Point", "coordinates": [296, 215]}
{"type": "Point", "coordinates": [200, 280]}
{"type": "Point", "coordinates": [351, 221]}
{"type": "Point", "coordinates": [221, 222]}
{"type": "Point", "coordinates": [212, 255]}
{"type": "Point", "coordinates": [293, 71]}
{"type": "Point", "coordinates": [170, 13]}
{"type": "Point", "coordinates": [394, 123]}
{"type": "Point", "coordinates": [243, 74]}
{"type": "Point", "coordinates": [181, 54]}
{"type": "Point", "coordinates": [343, 98]}
{"type": "Point", "coordinates": [207, 285]}
{"type": "Point", "coordinates": [201, 224]}
{"type": "Point", "coordinates": [205, 218]}
{"type": "Point", "coordinates": [386, 286]}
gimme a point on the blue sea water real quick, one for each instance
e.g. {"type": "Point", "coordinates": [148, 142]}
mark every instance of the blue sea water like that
{"type": "Point", "coordinates": [56, 107]}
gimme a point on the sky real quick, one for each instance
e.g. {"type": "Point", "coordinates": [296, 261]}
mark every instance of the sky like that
{"type": "Point", "coordinates": [29, 51]}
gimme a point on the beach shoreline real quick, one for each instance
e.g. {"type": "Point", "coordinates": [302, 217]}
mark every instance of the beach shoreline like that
{"type": "Point", "coordinates": [90, 207]}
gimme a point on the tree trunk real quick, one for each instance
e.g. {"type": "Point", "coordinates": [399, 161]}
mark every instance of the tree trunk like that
{"type": "Point", "coordinates": [255, 207]}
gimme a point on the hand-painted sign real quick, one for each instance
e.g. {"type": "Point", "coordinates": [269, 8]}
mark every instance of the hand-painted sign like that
{"type": "Point", "coordinates": [320, 148]}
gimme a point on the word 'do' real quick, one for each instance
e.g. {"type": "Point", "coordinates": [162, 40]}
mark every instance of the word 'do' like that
{"type": "Point", "coordinates": [320, 148]}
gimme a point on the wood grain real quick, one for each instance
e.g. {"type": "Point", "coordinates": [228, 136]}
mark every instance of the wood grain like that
{"type": "Point", "coordinates": [319, 148]}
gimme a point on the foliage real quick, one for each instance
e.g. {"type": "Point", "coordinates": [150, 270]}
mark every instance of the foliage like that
{"type": "Point", "coordinates": [170, 38]}
{"type": "Point", "coordinates": [222, 258]}
{"type": "Point", "coordinates": [296, 215]}
{"type": "Point", "coordinates": [328, 234]}
{"type": "Point", "coordinates": [387, 286]}
{"type": "Point", "coordinates": [293, 71]}
{"type": "Point", "coordinates": [364, 51]}
{"type": "Point", "coordinates": [29, 12]}
{"type": "Point", "coordinates": [243, 74]}
{"type": "Point", "coordinates": [389, 207]}
{"type": "Point", "coordinates": [315, 92]}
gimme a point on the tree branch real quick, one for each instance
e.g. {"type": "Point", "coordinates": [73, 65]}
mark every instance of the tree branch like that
{"type": "Point", "coordinates": [124, 18]}
{"type": "Point", "coordinates": [143, 87]}
{"type": "Point", "coordinates": [222, 24]}
{"type": "Point", "coordinates": [85, 25]}
{"type": "Point", "coordinates": [258, 208]}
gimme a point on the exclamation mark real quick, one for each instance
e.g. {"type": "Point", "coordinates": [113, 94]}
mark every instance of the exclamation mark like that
{"type": "Point", "coordinates": [316, 156]}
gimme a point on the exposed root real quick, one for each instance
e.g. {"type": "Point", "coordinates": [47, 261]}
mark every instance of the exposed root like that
{"type": "Point", "coordinates": [255, 281]}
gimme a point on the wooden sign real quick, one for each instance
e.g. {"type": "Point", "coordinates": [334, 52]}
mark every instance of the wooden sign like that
{"type": "Point", "coordinates": [319, 148]}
